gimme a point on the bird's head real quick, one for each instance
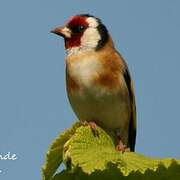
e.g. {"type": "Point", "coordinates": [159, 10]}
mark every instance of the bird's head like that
{"type": "Point", "coordinates": [83, 32]}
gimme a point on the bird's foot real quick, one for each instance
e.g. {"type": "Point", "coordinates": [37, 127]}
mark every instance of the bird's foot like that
{"type": "Point", "coordinates": [122, 148]}
{"type": "Point", "coordinates": [93, 127]}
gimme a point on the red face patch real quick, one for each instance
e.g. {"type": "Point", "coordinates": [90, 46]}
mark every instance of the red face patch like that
{"type": "Point", "coordinates": [77, 20]}
{"type": "Point", "coordinates": [74, 24]}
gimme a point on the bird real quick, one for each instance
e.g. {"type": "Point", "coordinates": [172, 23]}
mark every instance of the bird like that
{"type": "Point", "coordinates": [98, 83]}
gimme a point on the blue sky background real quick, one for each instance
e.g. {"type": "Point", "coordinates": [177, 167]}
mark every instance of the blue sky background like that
{"type": "Point", "coordinates": [34, 108]}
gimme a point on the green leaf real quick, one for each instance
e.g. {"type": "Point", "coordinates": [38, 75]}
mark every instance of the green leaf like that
{"type": "Point", "coordinates": [91, 152]}
{"type": "Point", "coordinates": [94, 153]}
{"type": "Point", "coordinates": [94, 157]}
{"type": "Point", "coordinates": [55, 152]}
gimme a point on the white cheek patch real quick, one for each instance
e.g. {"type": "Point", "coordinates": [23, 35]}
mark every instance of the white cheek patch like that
{"type": "Point", "coordinates": [90, 38]}
{"type": "Point", "coordinates": [92, 22]}
{"type": "Point", "coordinates": [91, 35]}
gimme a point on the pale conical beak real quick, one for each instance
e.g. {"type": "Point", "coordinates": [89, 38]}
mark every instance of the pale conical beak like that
{"type": "Point", "coordinates": [62, 31]}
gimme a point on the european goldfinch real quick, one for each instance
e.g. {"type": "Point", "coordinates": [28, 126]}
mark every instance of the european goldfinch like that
{"type": "Point", "coordinates": [99, 85]}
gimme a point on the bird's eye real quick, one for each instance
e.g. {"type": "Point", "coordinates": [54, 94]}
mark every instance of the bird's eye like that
{"type": "Point", "coordinates": [81, 28]}
{"type": "Point", "coordinates": [78, 29]}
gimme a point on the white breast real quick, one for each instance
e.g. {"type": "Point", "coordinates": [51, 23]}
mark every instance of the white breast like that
{"type": "Point", "coordinates": [84, 70]}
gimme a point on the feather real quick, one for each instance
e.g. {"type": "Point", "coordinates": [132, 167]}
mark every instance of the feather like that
{"type": "Point", "coordinates": [132, 121]}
